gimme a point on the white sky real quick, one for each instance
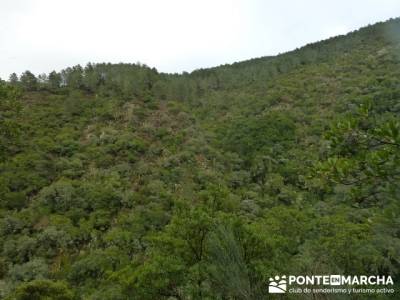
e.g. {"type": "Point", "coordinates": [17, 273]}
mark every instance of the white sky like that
{"type": "Point", "coordinates": [171, 35]}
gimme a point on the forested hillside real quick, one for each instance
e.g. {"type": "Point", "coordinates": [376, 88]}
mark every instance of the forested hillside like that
{"type": "Point", "coordinates": [119, 182]}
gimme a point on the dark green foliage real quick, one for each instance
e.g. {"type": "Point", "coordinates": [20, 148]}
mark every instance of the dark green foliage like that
{"type": "Point", "coordinates": [248, 136]}
{"type": "Point", "coordinates": [13, 79]}
{"type": "Point", "coordinates": [42, 290]}
{"type": "Point", "coordinates": [29, 81]}
{"type": "Point", "coordinates": [54, 80]}
{"type": "Point", "coordinates": [9, 127]}
{"type": "Point", "coordinates": [228, 269]}
{"type": "Point", "coordinates": [118, 182]}
{"type": "Point", "coordinates": [365, 156]}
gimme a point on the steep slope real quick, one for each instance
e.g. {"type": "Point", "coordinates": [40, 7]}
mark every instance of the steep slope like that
{"type": "Point", "coordinates": [119, 182]}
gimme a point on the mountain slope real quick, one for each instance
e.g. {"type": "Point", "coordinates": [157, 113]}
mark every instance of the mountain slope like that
{"type": "Point", "coordinates": [119, 182]}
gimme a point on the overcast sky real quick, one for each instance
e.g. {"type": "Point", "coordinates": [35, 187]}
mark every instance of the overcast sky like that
{"type": "Point", "coordinates": [171, 35]}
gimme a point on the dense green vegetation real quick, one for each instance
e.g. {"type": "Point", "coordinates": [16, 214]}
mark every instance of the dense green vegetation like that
{"type": "Point", "coordinates": [120, 182]}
